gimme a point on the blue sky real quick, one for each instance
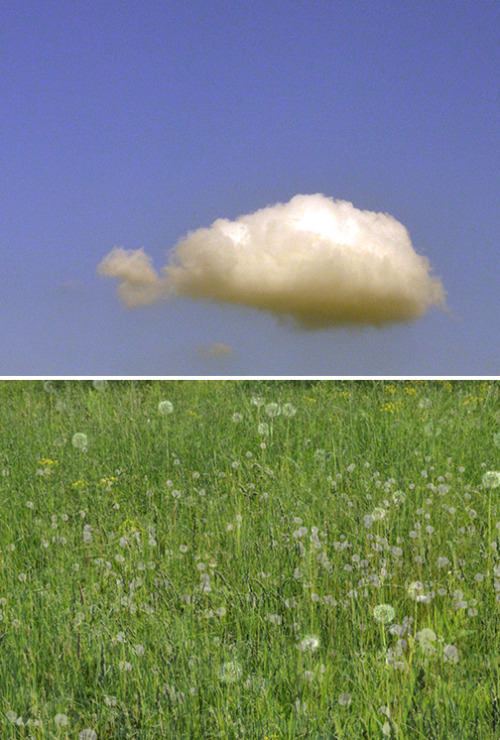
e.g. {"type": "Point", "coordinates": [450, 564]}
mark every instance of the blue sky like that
{"type": "Point", "coordinates": [131, 123]}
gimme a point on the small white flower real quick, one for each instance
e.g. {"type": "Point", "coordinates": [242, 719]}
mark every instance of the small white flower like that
{"type": "Point", "coordinates": [61, 720]}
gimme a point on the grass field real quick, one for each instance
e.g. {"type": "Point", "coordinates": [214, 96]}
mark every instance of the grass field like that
{"type": "Point", "coordinates": [250, 559]}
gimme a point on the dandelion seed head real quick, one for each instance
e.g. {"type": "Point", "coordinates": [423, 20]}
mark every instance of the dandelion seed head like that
{"type": "Point", "coordinates": [165, 408]}
{"type": "Point", "coordinates": [398, 497]}
{"type": "Point", "coordinates": [425, 639]}
{"type": "Point", "coordinates": [79, 440]}
{"type": "Point", "coordinates": [257, 401]}
{"type": "Point", "coordinates": [230, 672]}
{"type": "Point", "coordinates": [310, 643]}
{"type": "Point", "coordinates": [384, 613]}
{"type": "Point", "coordinates": [273, 410]}
{"type": "Point", "coordinates": [491, 479]}
{"type": "Point", "coordinates": [100, 385]}
{"type": "Point", "coordinates": [450, 654]}
{"type": "Point", "coordinates": [87, 734]}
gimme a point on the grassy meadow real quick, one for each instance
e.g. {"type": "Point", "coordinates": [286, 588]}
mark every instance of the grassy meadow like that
{"type": "Point", "coordinates": [249, 559]}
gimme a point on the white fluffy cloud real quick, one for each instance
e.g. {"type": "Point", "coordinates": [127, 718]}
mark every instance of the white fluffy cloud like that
{"type": "Point", "coordinates": [319, 261]}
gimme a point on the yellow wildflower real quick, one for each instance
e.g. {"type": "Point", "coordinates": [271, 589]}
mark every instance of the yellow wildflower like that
{"type": "Point", "coordinates": [129, 526]}
{"type": "Point", "coordinates": [79, 484]}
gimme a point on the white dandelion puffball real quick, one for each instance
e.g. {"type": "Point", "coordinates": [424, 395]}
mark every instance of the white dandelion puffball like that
{"type": "Point", "coordinates": [165, 407]}
{"type": "Point", "coordinates": [79, 440]}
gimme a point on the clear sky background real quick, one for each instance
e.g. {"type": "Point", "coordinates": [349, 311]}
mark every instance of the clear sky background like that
{"type": "Point", "coordinates": [130, 123]}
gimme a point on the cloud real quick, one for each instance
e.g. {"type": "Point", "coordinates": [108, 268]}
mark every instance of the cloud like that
{"type": "Point", "coordinates": [139, 283]}
{"type": "Point", "coordinates": [320, 261]}
{"type": "Point", "coordinates": [217, 350]}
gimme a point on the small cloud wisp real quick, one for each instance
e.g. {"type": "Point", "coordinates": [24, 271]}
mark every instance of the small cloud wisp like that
{"type": "Point", "coordinates": [217, 350]}
{"type": "Point", "coordinates": [320, 261]}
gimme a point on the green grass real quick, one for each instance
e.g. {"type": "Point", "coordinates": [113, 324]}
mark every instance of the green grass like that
{"type": "Point", "coordinates": [198, 575]}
